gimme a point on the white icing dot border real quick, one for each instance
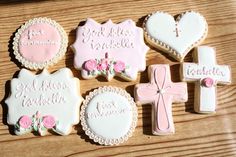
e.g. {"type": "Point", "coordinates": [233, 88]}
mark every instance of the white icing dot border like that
{"type": "Point", "coordinates": [97, 138]}
{"type": "Point", "coordinates": [32, 65]}
{"type": "Point", "coordinates": [165, 46]}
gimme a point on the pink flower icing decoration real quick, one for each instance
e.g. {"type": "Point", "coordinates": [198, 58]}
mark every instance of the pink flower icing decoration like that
{"type": "Point", "coordinates": [25, 122]}
{"type": "Point", "coordinates": [49, 121]}
{"type": "Point", "coordinates": [90, 65]}
{"type": "Point", "coordinates": [119, 66]}
{"type": "Point", "coordinates": [103, 65]}
{"type": "Point", "coordinates": [208, 82]}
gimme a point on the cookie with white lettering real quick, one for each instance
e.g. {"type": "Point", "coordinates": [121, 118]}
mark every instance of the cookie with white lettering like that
{"type": "Point", "coordinates": [109, 115]}
{"type": "Point", "coordinates": [44, 102]}
{"type": "Point", "coordinates": [39, 43]}
{"type": "Point", "coordinates": [110, 49]}
{"type": "Point", "coordinates": [175, 37]}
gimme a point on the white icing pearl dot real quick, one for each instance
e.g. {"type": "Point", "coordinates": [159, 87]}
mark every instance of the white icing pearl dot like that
{"type": "Point", "coordinates": [161, 91]}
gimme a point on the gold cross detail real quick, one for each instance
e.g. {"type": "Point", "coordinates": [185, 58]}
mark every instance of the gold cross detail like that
{"type": "Point", "coordinates": [177, 30]}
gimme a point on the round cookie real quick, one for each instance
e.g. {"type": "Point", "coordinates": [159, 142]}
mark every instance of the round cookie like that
{"type": "Point", "coordinates": [109, 115]}
{"type": "Point", "coordinates": [39, 43]}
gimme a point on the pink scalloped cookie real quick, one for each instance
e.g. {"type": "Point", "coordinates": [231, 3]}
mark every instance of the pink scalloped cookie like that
{"type": "Point", "coordinates": [109, 115]}
{"type": "Point", "coordinates": [40, 42]}
{"type": "Point", "coordinates": [110, 49]}
{"type": "Point", "coordinates": [175, 37]}
{"type": "Point", "coordinates": [44, 102]}
{"type": "Point", "coordinates": [161, 92]}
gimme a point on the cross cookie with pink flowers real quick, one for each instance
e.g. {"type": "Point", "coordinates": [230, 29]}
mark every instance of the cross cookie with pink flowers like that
{"type": "Point", "coordinates": [161, 92]}
{"type": "Point", "coordinates": [206, 74]}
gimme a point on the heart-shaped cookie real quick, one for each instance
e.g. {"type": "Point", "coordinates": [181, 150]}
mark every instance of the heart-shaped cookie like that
{"type": "Point", "coordinates": [176, 37]}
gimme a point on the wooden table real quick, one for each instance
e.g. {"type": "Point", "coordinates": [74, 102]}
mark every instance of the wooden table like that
{"type": "Point", "coordinates": [196, 134]}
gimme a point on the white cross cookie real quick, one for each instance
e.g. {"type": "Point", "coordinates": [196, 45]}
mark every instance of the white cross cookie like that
{"type": "Point", "coordinates": [206, 74]}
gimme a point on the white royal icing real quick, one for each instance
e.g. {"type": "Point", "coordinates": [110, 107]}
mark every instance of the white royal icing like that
{"type": "Point", "coordinates": [109, 114]}
{"type": "Point", "coordinates": [180, 35]}
{"type": "Point", "coordinates": [206, 67]}
{"type": "Point", "coordinates": [104, 113]}
{"type": "Point", "coordinates": [54, 94]}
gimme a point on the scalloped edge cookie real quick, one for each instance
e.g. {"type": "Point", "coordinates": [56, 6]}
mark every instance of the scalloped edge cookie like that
{"type": "Point", "coordinates": [33, 65]}
{"type": "Point", "coordinates": [103, 140]}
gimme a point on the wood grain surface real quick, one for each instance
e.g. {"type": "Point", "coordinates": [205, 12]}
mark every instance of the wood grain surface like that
{"type": "Point", "coordinates": [196, 134]}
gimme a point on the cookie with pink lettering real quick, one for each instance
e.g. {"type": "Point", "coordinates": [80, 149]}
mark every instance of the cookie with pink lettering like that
{"type": "Point", "coordinates": [39, 43]}
{"type": "Point", "coordinates": [206, 74]}
{"type": "Point", "coordinates": [108, 115]}
{"type": "Point", "coordinates": [110, 49]}
{"type": "Point", "coordinates": [161, 92]}
{"type": "Point", "coordinates": [175, 37]}
{"type": "Point", "coordinates": [44, 102]}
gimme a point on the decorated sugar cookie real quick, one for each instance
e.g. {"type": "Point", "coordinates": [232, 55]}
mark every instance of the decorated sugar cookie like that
{"type": "Point", "coordinates": [39, 43]}
{"type": "Point", "coordinates": [44, 102]}
{"type": "Point", "coordinates": [110, 49]}
{"type": "Point", "coordinates": [108, 115]}
{"type": "Point", "coordinates": [161, 92]}
{"type": "Point", "coordinates": [206, 74]}
{"type": "Point", "coordinates": [175, 37]}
